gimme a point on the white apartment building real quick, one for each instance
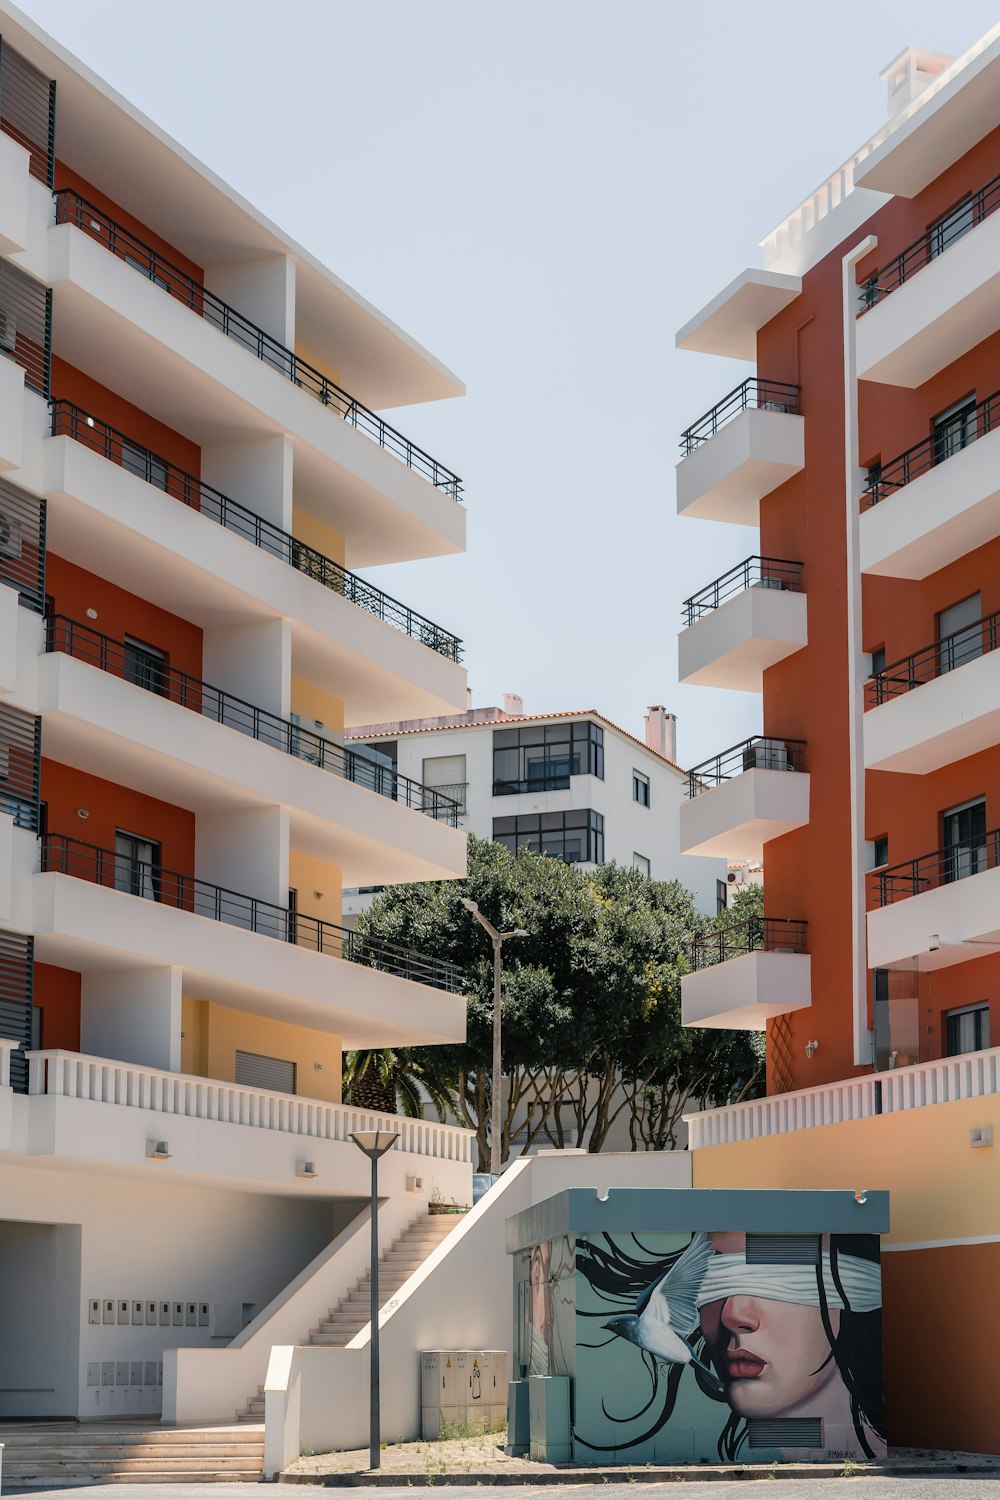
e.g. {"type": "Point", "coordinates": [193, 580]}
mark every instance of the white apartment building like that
{"type": "Point", "coordinates": [191, 466]}
{"type": "Point", "coordinates": [571, 785]}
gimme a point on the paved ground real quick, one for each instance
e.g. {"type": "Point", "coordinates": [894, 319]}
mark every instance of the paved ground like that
{"type": "Point", "coordinates": [959, 1487]}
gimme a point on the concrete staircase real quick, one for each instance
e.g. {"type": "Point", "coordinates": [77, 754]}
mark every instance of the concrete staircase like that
{"type": "Point", "coordinates": [352, 1313]}
{"type": "Point", "coordinates": [58, 1454]}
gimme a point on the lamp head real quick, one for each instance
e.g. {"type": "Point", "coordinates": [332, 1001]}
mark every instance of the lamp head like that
{"type": "Point", "coordinates": [519, 932]}
{"type": "Point", "coordinates": [470, 905]}
{"type": "Point", "coordinates": [374, 1143]}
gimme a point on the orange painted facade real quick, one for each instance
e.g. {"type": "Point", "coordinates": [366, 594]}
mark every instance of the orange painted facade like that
{"type": "Point", "coordinates": [806, 696]}
{"type": "Point", "coordinates": [65, 177]}
{"type": "Point", "coordinates": [57, 996]}
{"type": "Point", "coordinates": [109, 806]}
{"type": "Point", "coordinates": [73, 591]}
{"type": "Point", "coordinates": [70, 384]}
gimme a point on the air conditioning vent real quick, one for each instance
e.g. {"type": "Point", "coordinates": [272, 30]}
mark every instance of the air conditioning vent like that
{"type": "Point", "coordinates": [10, 535]}
{"type": "Point", "coordinates": [8, 331]}
{"type": "Point", "coordinates": [786, 1432]}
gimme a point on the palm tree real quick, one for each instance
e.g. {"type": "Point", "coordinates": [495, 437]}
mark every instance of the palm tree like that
{"type": "Point", "coordinates": [392, 1082]}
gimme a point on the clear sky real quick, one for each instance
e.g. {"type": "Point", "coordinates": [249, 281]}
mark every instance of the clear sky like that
{"type": "Point", "coordinates": [542, 192]}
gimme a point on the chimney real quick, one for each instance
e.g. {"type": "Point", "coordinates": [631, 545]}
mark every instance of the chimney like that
{"type": "Point", "coordinates": [909, 74]}
{"type": "Point", "coordinates": [513, 704]}
{"type": "Point", "coordinates": [661, 731]}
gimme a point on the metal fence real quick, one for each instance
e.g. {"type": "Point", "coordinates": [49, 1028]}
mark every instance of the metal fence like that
{"type": "Point", "coordinates": [764, 395]}
{"type": "Point", "coordinates": [759, 753]}
{"type": "Point", "coordinates": [752, 573]}
{"type": "Point", "coordinates": [758, 934]}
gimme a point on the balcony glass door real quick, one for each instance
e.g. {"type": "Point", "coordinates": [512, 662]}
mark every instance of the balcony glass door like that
{"type": "Point", "coordinates": [955, 428]}
{"type": "Point", "coordinates": [137, 863]}
{"type": "Point", "coordinates": [145, 666]}
{"type": "Point", "coordinates": [960, 633]}
{"type": "Point", "coordinates": [965, 840]}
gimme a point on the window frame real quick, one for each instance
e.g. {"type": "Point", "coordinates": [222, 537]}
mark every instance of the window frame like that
{"type": "Point", "coordinates": [640, 782]}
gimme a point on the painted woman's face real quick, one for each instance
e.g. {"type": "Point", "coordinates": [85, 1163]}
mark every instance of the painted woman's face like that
{"type": "Point", "coordinates": [773, 1356]}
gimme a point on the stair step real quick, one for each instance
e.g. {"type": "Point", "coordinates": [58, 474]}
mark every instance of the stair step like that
{"type": "Point", "coordinates": [93, 1437]}
{"type": "Point", "coordinates": [86, 1453]}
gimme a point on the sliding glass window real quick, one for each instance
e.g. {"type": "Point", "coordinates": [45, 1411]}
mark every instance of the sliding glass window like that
{"type": "Point", "coordinates": [542, 757]}
{"type": "Point", "coordinates": [574, 837]}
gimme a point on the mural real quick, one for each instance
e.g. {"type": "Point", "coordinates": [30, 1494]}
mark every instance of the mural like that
{"type": "Point", "coordinates": [726, 1342]}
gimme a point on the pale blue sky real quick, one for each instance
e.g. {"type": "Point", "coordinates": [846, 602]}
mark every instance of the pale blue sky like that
{"type": "Point", "coordinates": [542, 192]}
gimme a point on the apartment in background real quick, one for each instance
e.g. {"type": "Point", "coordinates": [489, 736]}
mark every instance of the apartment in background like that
{"type": "Point", "coordinates": [571, 785]}
{"type": "Point", "coordinates": [193, 468]}
{"type": "Point", "coordinates": [864, 445]}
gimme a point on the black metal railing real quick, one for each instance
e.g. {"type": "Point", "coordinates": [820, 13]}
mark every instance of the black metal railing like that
{"type": "Point", "coordinates": [17, 977]}
{"type": "Point", "coordinates": [28, 111]}
{"type": "Point", "coordinates": [913, 876]}
{"type": "Point", "coordinates": [531, 784]}
{"type": "Point", "coordinates": [20, 766]}
{"type": "Point", "coordinates": [156, 676]}
{"type": "Point", "coordinates": [26, 326]}
{"type": "Point", "coordinates": [122, 243]}
{"type": "Point", "coordinates": [759, 753]}
{"type": "Point", "coordinates": [885, 479]}
{"type": "Point", "coordinates": [72, 421]}
{"type": "Point", "coordinates": [935, 240]}
{"type": "Point", "coordinates": [455, 791]}
{"type": "Point", "coordinates": [61, 855]}
{"type": "Point", "coordinates": [765, 395]}
{"type": "Point", "coordinates": [22, 544]}
{"type": "Point", "coordinates": [767, 934]}
{"type": "Point", "coordinates": [752, 573]}
{"type": "Point", "coordinates": [951, 651]}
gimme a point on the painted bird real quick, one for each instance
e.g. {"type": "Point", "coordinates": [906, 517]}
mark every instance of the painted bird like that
{"type": "Point", "coordinates": [666, 1313]}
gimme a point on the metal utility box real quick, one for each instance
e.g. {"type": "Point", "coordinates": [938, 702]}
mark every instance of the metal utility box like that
{"type": "Point", "coordinates": [462, 1387]}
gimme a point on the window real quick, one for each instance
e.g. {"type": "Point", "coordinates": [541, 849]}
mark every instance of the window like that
{"type": "Point", "coordinates": [954, 428]}
{"type": "Point", "coordinates": [965, 840]}
{"type": "Point", "coordinates": [574, 837]}
{"type": "Point", "coordinates": [641, 863]}
{"type": "Point", "coordinates": [257, 1072]}
{"type": "Point", "coordinates": [137, 461]}
{"type": "Point", "coordinates": [542, 757]}
{"type": "Point", "coordinates": [950, 227]}
{"type": "Point", "coordinates": [960, 633]}
{"type": "Point", "coordinates": [721, 897]}
{"type": "Point", "coordinates": [968, 1029]}
{"type": "Point", "coordinates": [878, 660]}
{"type": "Point", "coordinates": [137, 865]}
{"type": "Point", "coordinates": [447, 774]}
{"type": "Point", "coordinates": [640, 788]}
{"type": "Point", "coordinates": [881, 853]}
{"type": "Point", "coordinates": [145, 666]}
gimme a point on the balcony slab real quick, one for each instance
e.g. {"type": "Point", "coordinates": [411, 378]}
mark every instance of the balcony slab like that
{"type": "Point", "coordinates": [745, 992]}
{"type": "Point", "coordinates": [944, 720]}
{"type": "Point", "coordinates": [736, 819]}
{"type": "Point", "coordinates": [725, 477]}
{"type": "Point", "coordinates": [734, 645]}
{"type": "Point", "coordinates": [953, 924]}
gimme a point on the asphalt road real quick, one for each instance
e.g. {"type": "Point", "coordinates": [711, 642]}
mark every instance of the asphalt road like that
{"type": "Point", "coordinates": [958, 1487]}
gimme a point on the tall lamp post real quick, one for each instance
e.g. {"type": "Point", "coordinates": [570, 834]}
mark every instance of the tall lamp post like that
{"type": "Point", "coordinates": [374, 1143]}
{"type": "Point", "coordinates": [497, 939]}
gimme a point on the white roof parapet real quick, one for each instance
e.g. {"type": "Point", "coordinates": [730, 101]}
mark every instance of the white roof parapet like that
{"type": "Point", "coordinates": [729, 324]}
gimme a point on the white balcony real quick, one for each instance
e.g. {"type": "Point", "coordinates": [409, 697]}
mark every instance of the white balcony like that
{"type": "Point", "coordinates": [112, 522]}
{"type": "Point", "coordinates": [119, 327]}
{"type": "Point", "coordinates": [745, 992]}
{"type": "Point", "coordinates": [942, 720]}
{"type": "Point", "coordinates": [93, 928]}
{"type": "Point", "coordinates": [98, 1112]}
{"type": "Point", "coordinates": [725, 476]}
{"type": "Point", "coordinates": [115, 729]}
{"type": "Point", "coordinates": [942, 924]}
{"type": "Point", "coordinates": [729, 324]}
{"type": "Point", "coordinates": [15, 184]}
{"type": "Point", "coordinates": [943, 308]}
{"type": "Point", "coordinates": [745, 809]}
{"type": "Point", "coordinates": [732, 645]}
{"type": "Point", "coordinates": [946, 511]}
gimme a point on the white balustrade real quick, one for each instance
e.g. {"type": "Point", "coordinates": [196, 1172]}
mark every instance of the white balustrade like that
{"type": "Point", "coordinates": [970, 1076]}
{"type": "Point", "coordinates": [101, 1080]}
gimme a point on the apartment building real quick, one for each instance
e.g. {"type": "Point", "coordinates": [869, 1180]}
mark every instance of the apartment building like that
{"type": "Point", "coordinates": [192, 466]}
{"type": "Point", "coordinates": [571, 785]}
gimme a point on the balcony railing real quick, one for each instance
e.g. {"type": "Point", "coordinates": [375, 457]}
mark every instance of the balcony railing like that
{"type": "Point", "coordinates": [454, 791]}
{"type": "Point", "coordinates": [156, 676]}
{"type": "Point", "coordinates": [931, 871]}
{"type": "Point", "coordinates": [531, 784]}
{"type": "Point", "coordinates": [752, 573]}
{"type": "Point", "coordinates": [765, 395]}
{"type": "Point", "coordinates": [105, 1080]}
{"type": "Point", "coordinates": [122, 243]}
{"type": "Point", "coordinates": [935, 240]}
{"type": "Point", "coordinates": [61, 855]}
{"type": "Point", "coordinates": [886, 479]}
{"type": "Point", "coordinates": [951, 651]}
{"type": "Point", "coordinates": [72, 421]}
{"type": "Point", "coordinates": [759, 934]}
{"type": "Point", "coordinates": [759, 753]}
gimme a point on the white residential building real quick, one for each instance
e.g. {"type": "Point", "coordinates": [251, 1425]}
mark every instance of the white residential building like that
{"type": "Point", "coordinates": [572, 785]}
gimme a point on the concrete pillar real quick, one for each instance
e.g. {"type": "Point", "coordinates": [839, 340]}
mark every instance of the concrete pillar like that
{"type": "Point", "coordinates": [262, 290]}
{"type": "Point", "coordinates": [246, 851]}
{"type": "Point", "coordinates": [257, 472]}
{"type": "Point", "coordinates": [253, 660]}
{"type": "Point", "coordinates": [133, 1015]}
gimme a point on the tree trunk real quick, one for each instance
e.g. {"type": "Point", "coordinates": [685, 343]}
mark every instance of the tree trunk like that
{"type": "Point", "coordinates": [369, 1092]}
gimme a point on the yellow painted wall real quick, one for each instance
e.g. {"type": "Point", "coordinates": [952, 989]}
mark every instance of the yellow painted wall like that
{"type": "Point", "coordinates": [307, 529]}
{"type": "Point", "coordinates": [213, 1034]}
{"type": "Point", "coordinates": [307, 876]}
{"type": "Point", "coordinates": [940, 1187]}
{"type": "Point", "coordinates": [312, 703]}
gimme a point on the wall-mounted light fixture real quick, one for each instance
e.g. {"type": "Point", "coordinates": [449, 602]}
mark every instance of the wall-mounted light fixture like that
{"type": "Point", "coordinates": [317, 895]}
{"type": "Point", "coordinates": [981, 1135]}
{"type": "Point", "coordinates": [91, 613]}
{"type": "Point", "coordinates": [158, 1150]}
{"type": "Point", "coordinates": [83, 812]}
{"type": "Point", "coordinates": [306, 1169]}
{"type": "Point", "coordinates": [811, 1047]}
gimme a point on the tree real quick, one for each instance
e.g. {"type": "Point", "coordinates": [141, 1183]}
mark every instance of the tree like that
{"type": "Point", "coordinates": [591, 999]}
{"type": "Point", "coordinates": [390, 1082]}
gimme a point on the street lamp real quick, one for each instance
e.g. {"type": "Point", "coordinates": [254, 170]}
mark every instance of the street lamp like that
{"type": "Point", "coordinates": [374, 1143]}
{"type": "Point", "coordinates": [497, 939]}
